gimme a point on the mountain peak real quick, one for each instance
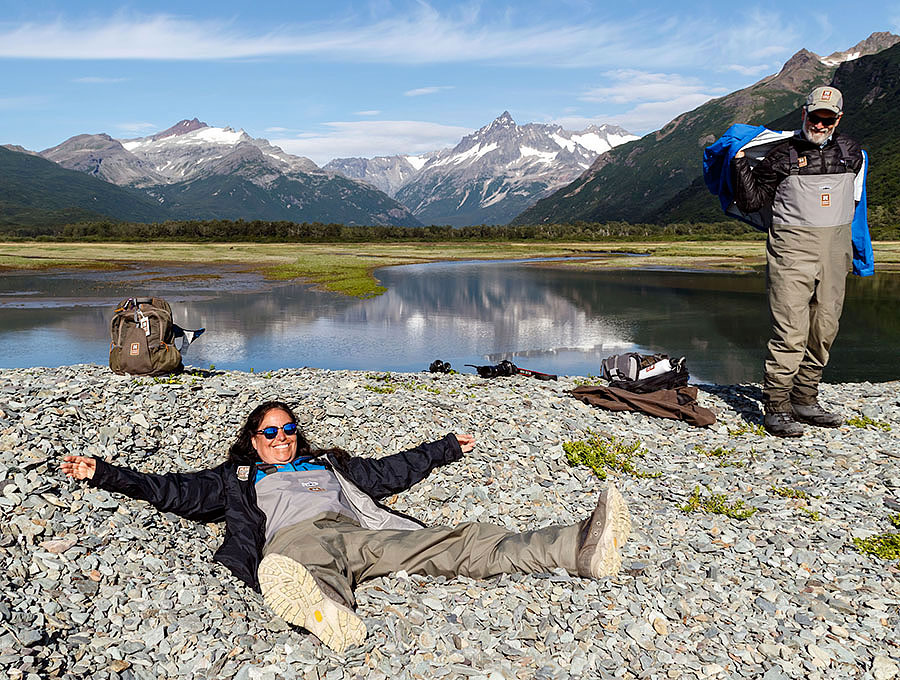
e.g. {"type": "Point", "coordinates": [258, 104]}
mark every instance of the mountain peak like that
{"type": "Point", "coordinates": [182, 127]}
{"type": "Point", "coordinates": [504, 120]}
{"type": "Point", "coordinates": [878, 41]}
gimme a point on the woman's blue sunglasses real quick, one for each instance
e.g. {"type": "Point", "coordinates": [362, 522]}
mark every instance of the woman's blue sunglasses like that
{"type": "Point", "coordinates": [272, 431]}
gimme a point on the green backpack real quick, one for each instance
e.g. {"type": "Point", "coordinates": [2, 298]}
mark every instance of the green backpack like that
{"type": "Point", "coordinates": [143, 338]}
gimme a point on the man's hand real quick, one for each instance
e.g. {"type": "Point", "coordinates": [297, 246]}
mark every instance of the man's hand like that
{"type": "Point", "coordinates": [466, 442]}
{"type": "Point", "coordinates": [739, 154]}
{"type": "Point", "coordinates": [78, 467]}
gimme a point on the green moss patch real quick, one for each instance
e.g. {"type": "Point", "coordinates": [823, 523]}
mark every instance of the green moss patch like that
{"type": "Point", "coordinates": [601, 454]}
{"type": "Point", "coordinates": [716, 504]}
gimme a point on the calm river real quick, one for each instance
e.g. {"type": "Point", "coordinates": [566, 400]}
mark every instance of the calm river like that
{"type": "Point", "coordinates": [551, 320]}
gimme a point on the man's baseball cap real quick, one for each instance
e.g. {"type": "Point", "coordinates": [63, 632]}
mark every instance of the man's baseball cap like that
{"type": "Point", "coordinates": [825, 98]}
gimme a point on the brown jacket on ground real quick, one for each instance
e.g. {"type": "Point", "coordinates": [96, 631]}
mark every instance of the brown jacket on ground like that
{"type": "Point", "coordinates": [678, 404]}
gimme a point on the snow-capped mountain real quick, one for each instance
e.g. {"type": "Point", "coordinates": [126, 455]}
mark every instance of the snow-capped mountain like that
{"type": "Point", "coordinates": [204, 172]}
{"type": "Point", "coordinates": [491, 175]}
{"type": "Point", "coordinates": [388, 173]}
{"type": "Point", "coordinates": [192, 149]}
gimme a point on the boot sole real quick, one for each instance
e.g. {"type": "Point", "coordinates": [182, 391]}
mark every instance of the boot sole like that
{"type": "Point", "coordinates": [812, 421]}
{"type": "Point", "coordinates": [293, 594]}
{"type": "Point", "coordinates": [785, 434]}
{"type": "Point", "coordinates": [599, 556]}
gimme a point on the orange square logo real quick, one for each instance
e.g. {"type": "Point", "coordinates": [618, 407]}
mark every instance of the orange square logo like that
{"type": "Point", "coordinates": [826, 200]}
{"type": "Point", "coordinates": [135, 349]}
{"type": "Point", "coordinates": [801, 162]}
{"type": "Point", "coordinates": [826, 95]}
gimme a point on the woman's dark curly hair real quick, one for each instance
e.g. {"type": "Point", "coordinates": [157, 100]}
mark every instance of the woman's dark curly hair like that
{"type": "Point", "coordinates": [242, 451]}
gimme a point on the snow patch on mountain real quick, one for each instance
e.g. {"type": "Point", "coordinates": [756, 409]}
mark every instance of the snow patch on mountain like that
{"type": "Point", "coordinates": [418, 162]}
{"type": "Point", "coordinates": [595, 142]}
{"type": "Point", "coordinates": [203, 136]}
{"type": "Point", "coordinates": [835, 61]}
{"type": "Point", "coordinates": [543, 156]}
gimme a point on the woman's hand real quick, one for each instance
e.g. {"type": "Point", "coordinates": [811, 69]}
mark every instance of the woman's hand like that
{"type": "Point", "coordinates": [466, 442]}
{"type": "Point", "coordinates": [78, 467]}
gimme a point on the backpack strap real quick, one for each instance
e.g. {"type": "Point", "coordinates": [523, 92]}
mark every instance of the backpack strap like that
{"type": "Point", "coordinates": [846, 157]}
{"type": "Point", "coordinates": [794, 159]}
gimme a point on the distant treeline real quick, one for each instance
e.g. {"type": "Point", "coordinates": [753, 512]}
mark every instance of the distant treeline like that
{"type": "Point", "coordinates": [884, 225]}
{"type": "Point", "coordinates": [317, 232]}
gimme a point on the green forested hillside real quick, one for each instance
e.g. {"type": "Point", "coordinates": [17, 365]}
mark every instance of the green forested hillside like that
{"type": "Point", "coordinates": [298, 199]}
{"type": "Point", "coordinates": [37, 192]}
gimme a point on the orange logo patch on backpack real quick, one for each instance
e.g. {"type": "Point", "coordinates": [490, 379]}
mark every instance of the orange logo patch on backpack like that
{"type": "Point", "coordinates": [135, 349]}
{"type": "Point", "coordinates": [826, 200]}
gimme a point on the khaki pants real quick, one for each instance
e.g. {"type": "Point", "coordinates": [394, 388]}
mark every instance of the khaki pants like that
{"type": "Point", "coordinates": [340, 553]}
{"type": "Point", "coordinates": [806, 274]}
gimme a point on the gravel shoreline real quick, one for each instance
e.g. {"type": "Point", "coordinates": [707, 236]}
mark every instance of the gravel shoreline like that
{"type": "Point", "coordinates": [96, 585]}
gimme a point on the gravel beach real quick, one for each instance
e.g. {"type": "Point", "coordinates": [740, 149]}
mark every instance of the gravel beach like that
{"type": "Point", "coordinates": [96, 585]}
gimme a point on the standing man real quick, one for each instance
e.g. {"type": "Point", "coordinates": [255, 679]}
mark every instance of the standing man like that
{"type": "Point", "coordinates": [808, 184]}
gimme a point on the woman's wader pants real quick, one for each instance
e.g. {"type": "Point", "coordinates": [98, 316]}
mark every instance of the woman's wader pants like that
{"type": "Point", "coordinates": [341, 554]}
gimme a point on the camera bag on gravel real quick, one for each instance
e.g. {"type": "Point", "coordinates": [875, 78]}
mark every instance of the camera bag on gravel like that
{"type": "Point", "coordinates": [143, 338]}
{"type": "Point", "coordinates": [642, 373]}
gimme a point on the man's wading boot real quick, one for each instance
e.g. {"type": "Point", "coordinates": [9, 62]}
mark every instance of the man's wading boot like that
{"type": "Point", "coordinates": [814, 414]}
{"type": "Point", "coordinates": [782, 424]}
{"type": "Point", "coordinates": [604, 533]}
{"type": "Point", "coordinates": [294, 595]}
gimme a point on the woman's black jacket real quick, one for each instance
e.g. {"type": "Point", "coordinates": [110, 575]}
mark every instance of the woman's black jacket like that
{"type": "Point", "coordinates": [226, 492]}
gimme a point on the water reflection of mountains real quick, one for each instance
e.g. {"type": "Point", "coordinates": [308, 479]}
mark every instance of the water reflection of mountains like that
{"type": "Point", "coordinates": [719, 321]}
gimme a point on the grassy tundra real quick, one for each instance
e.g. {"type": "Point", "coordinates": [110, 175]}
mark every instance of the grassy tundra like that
{"type": "Point", "coordinates": [348, 267]}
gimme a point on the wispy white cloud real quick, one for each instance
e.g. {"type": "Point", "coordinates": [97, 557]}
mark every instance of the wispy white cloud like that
{"type": "Point", "coordinates": [433, 89]}
{"type": "Point", "coordinates": [654, 98]}
{"type": "Point", "coordinates": [276, 129]}
{"type": "Point", "coordinates": [424, 35]}
{"type": "Point", "coordinates": [627, 86]}
{"type": "Point", "coordinates": [372, 138]}
{"type": "Point", "coordinates": [98, 80]}
{"type": "Point", "coordinates": [137, 128]}
{"type": "Point", "coordinates": [370, 112]}
{"type": "Point", "coordinates": [649, 116]}
{"type": "Point", "coordinates": [757, 35]}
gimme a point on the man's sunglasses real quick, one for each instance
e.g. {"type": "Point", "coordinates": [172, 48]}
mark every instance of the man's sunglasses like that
{"type": "Point", "coordinates": [816, 119]}
{"type": "Point", "coordinates": [272, 431]}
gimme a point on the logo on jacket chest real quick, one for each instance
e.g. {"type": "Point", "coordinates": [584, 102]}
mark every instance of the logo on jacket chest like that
{"type": "Point", "coordinates": [243, 472]}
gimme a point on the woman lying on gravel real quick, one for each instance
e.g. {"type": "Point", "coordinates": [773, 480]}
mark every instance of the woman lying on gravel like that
{"type": "Point", "coordinates": [303, 526]}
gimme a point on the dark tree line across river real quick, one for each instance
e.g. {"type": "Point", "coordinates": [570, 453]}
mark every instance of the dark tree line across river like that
{"type": "Point", "coordinates": [884, 225]}
{"type": "Point", "coordinates": [317, 232]}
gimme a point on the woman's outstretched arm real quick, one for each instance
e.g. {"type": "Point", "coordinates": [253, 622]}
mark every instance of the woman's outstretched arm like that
{"type": "Point", "coordinates": [195, 495]}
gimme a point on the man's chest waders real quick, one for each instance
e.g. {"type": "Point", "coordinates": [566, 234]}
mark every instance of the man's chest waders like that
{"type": "Point", "coordinates": [808, 256]}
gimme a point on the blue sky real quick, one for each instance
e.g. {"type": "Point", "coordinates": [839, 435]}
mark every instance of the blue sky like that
{"type": "Point", "coordinates": [346, 78]}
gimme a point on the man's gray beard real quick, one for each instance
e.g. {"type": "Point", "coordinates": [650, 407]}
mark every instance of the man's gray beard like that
{"type": "Point", "coordinates": [817, 138]}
